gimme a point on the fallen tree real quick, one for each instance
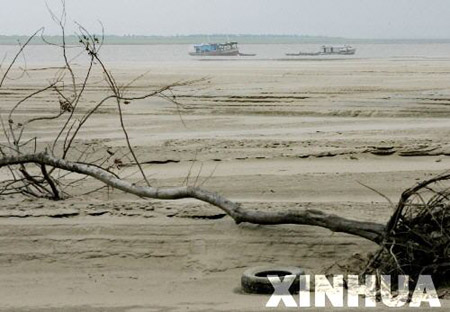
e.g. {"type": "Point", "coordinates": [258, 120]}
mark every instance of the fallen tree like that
{"type": "Point", "coordinates": [368, 230]}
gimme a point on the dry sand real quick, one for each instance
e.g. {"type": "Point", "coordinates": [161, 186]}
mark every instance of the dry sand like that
{"type": "Point", "coordinates": [271, 134]}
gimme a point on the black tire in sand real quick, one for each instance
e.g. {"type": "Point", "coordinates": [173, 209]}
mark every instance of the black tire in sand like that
{"type": "Point", "coordinates": [255, 280]}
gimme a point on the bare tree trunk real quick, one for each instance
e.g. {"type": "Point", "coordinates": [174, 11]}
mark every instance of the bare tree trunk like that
{"type": "Point", "coordinates": [369, 230]}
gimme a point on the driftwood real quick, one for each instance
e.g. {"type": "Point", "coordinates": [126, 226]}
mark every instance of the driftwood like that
{"type": "Point", "coordinates": [369, 230]}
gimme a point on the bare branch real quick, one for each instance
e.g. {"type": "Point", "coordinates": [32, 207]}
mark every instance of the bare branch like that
{"type": "Point", "coordinates": [368, 230]}
{"type": "Point", "coordinates": [22, 47]}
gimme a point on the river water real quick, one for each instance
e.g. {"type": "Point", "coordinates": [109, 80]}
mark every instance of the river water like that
{"type": "Point", "coordinates": [123, 54]}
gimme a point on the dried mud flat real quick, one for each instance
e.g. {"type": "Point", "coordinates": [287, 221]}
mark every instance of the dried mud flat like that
{"type": "Point", "coordinates": [271, 134]}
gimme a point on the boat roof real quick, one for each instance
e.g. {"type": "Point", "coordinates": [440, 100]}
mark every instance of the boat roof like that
{"type": "Point", "coordinates": [334, 46]}
{"type": "Point", "coordinates": [216, 44]}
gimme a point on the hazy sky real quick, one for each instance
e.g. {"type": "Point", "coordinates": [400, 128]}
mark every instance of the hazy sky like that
{"type": "Point", "coordinates": [342, 18]}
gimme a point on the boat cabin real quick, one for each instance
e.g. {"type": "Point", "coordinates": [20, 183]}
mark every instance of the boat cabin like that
{"type": "Point", "coordinates": [215, 47]}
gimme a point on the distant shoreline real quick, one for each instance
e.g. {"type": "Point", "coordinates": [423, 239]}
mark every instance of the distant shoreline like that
{"type": "Point", "coordinates": [243, 39]}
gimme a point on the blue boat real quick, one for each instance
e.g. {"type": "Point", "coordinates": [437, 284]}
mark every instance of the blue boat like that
{"type": "Point", "coordinates": [215, 49]}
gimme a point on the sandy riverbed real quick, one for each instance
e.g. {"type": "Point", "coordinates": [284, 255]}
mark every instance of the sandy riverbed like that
{"type": "Point", "coordinates": [271, 134]}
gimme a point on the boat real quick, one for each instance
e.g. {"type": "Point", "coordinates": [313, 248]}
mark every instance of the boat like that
{"type": "Point", "coordinates": [328, 50]}
{"type": "Point", "coordinates": [217, 49]}
{"type": "Point", "coordinates": [344, 50]}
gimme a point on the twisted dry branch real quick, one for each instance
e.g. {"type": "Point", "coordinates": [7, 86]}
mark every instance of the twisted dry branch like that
{"type": "Point", "coordinates": [369, 230]}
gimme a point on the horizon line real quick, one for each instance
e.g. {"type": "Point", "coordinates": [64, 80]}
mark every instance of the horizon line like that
{"type": "Point", "coordinates": [244, 34]}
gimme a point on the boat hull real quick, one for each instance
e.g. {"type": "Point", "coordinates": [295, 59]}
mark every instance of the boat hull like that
{"type": "Point", "coordinates": [233, 52]}
{"type": "Point", "coordinates": [327, 50]}
{"type": "Point", "coordinates": [303, 54]}
{"type": "Point", "coordinates": [350, 52]}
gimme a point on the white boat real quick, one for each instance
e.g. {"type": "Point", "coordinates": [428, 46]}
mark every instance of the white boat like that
{"type": "Point", "coordinates": [344, 50]}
